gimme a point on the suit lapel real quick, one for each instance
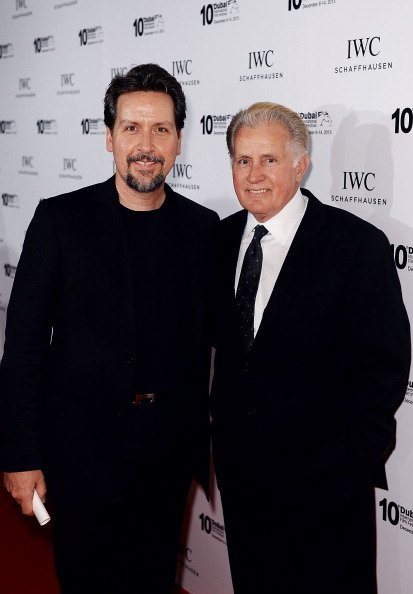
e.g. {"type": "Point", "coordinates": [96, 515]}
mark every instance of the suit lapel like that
{"type": "Point", "coordinates": [231, 241]}
{"type": "Point", "coordinates": [194, 257]}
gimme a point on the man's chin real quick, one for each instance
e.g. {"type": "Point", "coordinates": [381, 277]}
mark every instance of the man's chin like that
{"type": "Point", "coordinates": [147, 186]}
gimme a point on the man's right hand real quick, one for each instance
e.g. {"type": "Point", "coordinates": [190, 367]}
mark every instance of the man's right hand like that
{"type": "Point", "coordinates": [21, 487]}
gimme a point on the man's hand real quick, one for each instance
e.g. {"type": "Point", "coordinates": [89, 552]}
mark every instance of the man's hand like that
{"type": "Point", "coordinates": [21, 486]}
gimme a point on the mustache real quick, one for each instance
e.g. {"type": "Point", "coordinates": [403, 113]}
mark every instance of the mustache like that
{"type": "Point", "coordinates": [145, 157]}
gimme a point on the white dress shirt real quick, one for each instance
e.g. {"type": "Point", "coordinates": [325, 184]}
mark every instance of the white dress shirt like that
{"type": "Point", "coordinates": [282, 228]}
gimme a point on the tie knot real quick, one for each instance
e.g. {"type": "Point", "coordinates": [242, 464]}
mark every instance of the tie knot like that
{"type": "Point", "coordinates": [259, 232]}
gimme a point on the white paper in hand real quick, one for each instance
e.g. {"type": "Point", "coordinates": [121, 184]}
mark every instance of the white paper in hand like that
{"type": "Point", "coordinates": [39, 510]}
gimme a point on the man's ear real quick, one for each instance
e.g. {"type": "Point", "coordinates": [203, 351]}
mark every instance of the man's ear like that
{"type": "Point", "coordinates": [302, 167]}
{"type": "Point", "coordinates": [178, 151]}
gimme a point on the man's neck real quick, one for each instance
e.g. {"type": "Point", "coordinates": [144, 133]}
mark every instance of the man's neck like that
{"type": "Point", "coordinates": [134, 200]}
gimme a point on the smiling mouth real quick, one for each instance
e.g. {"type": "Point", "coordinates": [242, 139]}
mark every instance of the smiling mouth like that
{"type": "Point", "coordinates": [145, 163]}
{"type": "Point", "coordinates": [257, 192]}
{"type": "Point", "coordinates": [145, 160]}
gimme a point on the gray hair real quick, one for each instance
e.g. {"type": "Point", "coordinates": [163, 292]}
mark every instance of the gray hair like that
{"type": "Point", "coordinates": [268, 113]}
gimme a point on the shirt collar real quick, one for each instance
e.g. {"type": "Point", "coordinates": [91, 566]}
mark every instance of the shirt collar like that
{"type": "Point", "coordinates": [283, 223]}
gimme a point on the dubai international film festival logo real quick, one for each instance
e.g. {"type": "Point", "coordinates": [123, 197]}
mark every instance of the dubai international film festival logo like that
{"type": "Point", "coordinates": [220, 12]}
{"type": "Point", "coordinates": [397, 515]}
{"type": "Point", "coordinates": [10, 200]}
{"type": "Point", "coordinates": [90, 35]}
{"type": "Point", "coordinates": [296, 4]}
{"type": "Point", "coordinates": [6, 50]}
{"type": "Point", "coordinates": [182, 177]}
{"type": "Point", "coordinates": [408, 398]}
{"type": "Point", "coordinates": [46, 126]}
{"type": "Point", "coordinates": [93, 126]}
{"type": "Point", "coordinates": [403, 120]}
{"type": "Point", "coordinates": [44, 44]}
{"type": "Point", "coordinates": [260, 66]}
{"type": "Point", "coordinates": [149, 25]}
{"type": "Point", "coordinates": [182, 70]}
{"type": "Point", "coordinates": [10, 270]}
{"type": "Point", "coordinates": [213, 528]}
{"type": "Point", "coordinates": [8, 127]}
{"type": "Point", "coordinates": [215, 124]}
{"type": "Point", "coordinates": [363, 55]}
{"type": "Point", "coordinates": [318, 122]}
{"type": "Point", "coordinates": [403, 257]}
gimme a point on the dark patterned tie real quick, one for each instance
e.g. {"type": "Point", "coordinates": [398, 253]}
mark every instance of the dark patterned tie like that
{"type": "Point", "coordinates": [248, 286]}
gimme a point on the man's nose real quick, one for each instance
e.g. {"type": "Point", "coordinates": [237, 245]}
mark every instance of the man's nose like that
{"type": "Point", "coordinates": [145, 141]}
{"type": "Point", "coordinates": [256, 174]}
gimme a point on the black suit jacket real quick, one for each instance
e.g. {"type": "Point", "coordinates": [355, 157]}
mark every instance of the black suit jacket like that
{"type": "Point", "coordinates": [329, 365]}
{"type": "Point", "coordinates": [68, 365]}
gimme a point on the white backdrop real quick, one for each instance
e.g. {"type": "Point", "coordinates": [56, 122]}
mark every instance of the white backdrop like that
{"type": "Point", "coordinates": [344, 65]}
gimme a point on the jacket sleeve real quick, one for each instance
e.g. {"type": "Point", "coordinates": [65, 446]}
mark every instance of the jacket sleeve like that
{"type": "Point", "coordinates": [378, 338]}
{"type": "Point", "coordinates": [23, 377]}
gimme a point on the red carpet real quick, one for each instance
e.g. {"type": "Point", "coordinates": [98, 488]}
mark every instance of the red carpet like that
{"type": "Point", "coordinates": [26, 565]}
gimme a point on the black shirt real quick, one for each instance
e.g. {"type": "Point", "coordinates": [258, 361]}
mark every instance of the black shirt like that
{"type": "Point", "coordinates": [156, 250]}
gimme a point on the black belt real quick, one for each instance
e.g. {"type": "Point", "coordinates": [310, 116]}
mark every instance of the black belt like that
{"type": "Point", "coordinates": [148, 398]}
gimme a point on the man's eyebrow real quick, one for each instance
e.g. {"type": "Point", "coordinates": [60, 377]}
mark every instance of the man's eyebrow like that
{"type": "Point", "coordinates": [161, 123]}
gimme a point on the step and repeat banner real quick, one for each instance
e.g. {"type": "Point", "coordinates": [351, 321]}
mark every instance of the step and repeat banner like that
{"type": "Point", "coordinates": [344, 65]}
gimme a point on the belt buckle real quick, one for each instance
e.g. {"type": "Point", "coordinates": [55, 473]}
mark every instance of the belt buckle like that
{"type": "Point", "coordinates": [148, 397]}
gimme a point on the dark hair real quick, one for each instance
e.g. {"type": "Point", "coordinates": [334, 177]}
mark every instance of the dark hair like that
{"type": "Point", "coordinates": [145, 77]}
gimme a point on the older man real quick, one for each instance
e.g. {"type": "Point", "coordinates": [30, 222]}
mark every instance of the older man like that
{"type": "Point", "coordinates": [312, 361]}
{"type": "Point", "coordinates": [104, 379]}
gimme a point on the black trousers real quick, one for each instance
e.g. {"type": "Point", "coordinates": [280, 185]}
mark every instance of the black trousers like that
{"type": "Point", "coordinates": [127, 542]}
{"type": "Point", "coordinates": [317, 541]}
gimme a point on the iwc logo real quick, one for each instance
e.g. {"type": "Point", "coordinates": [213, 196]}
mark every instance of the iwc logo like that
{"type": "Point", "coordinates": [363, 55]}
{"type": "Point", "coordinates": [22, 10]}
{"type": "Point", "coordinates": [181, 177]}
{"type": "Point", "coordinates": [67, 84]}
{"type": "Point", "coordinates": [260, 66]}
{"type": "Point", "coordinates": [183, 71]}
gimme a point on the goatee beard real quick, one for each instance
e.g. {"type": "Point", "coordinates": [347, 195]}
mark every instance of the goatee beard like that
{"type": "Point", "coordinates": [144, 187]}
